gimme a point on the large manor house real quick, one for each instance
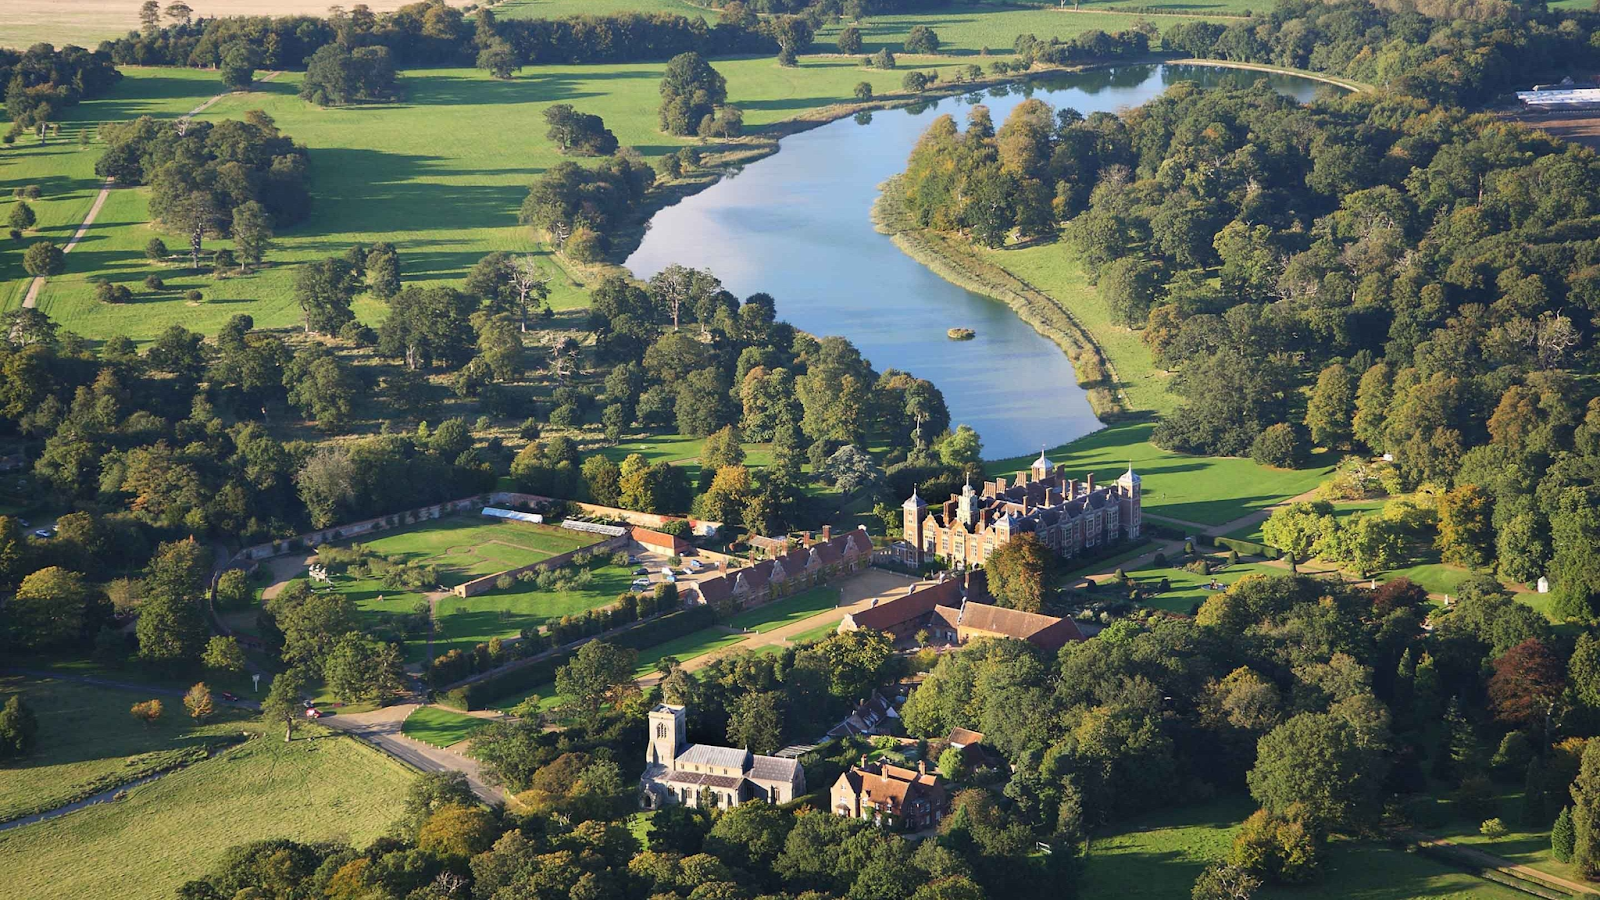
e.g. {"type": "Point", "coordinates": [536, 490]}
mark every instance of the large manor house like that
{"type": "Point", "coordinates": [1067, 515]}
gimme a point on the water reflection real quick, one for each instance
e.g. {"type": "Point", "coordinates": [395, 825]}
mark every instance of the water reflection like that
{"type": "Point", "coordinates": [797, 225]}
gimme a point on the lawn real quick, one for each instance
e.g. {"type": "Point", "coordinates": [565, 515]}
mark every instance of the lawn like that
{"type": "Point", "coordinates": [1208, 490]}
{"type": "Point", "coordinates": [683, 452]}
{"type": "Point", "coordinates": [814, 634]}
{"type": "Point", "coordinates": [89, 742]}
{"type": "Point", "coordinates": [440, 174]}
{"type": "Point", "coordinates": [688, 647]}
{"type": "Point", "coordinates": [1189, 589]}
{"type": "Point", "coordinates": [1056, 269]}
{"type": "Point", "coordinates": [787, 611]}
{"type": "Point", "coordinates": [1340, 510]}
{"type": "Point", "coordinates": [471, 546]}
{"type": "Point", "coordinates": [464, 622]}
{"type": "Point", "coordinates": [440, 727]}
{"type": "Point", "coordinates": [320, 787]}
{"type": "Point", "coordinates": [1159, 856]}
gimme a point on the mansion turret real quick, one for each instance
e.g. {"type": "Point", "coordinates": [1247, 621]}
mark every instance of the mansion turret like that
{"type": "Point", "coordinates": [1067, 515]}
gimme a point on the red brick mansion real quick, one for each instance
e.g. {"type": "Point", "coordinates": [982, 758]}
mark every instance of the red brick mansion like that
{"type": "Point", "coordinates": [1067, 515]}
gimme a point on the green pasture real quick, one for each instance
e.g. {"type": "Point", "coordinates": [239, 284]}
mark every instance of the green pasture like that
{"type": "Point", "coordinates": [683, 452]}
{"type": "Point", "coordinates": [440, 727]}
{"type": "Point", "coordinates": [462, 623]}
{"type": "Point", "coordinates": [441, 174]}
{"type": "Point", "coordinates": [555, 9]}
{"type": "Point", "coordinates": [787, 611]}
{"type": "Point", "coordinates": [322, 786]}
{"type": "Point", "coordinates": [64, 169]}
{"type": "Point", "coordinates": [88, 741]}
{"type": "Point", "coordinates": [1159, 856]}
{"type": "Point", "coordinates": [1207, 490]}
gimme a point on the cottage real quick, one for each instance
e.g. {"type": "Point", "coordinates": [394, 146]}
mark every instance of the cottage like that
{"type": "Point", "coordinates": [891, 795]}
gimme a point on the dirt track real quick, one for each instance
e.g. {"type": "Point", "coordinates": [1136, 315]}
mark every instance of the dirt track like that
{"type": "Point", "coordinates": [1571, 125]}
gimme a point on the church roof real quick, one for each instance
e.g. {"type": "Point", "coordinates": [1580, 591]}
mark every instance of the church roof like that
{"type": "Point", "coordinates": [773, 768]}
{"type": "Point", "coordinates": [709, 755]}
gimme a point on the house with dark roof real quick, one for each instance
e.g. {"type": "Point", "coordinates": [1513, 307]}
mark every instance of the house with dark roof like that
{"type": "Point", "coordinates": [897, 797]}
{"type": "Point", "coordinates": [872, 716]}
{"type": "Point", "coordinates": [695, 775]}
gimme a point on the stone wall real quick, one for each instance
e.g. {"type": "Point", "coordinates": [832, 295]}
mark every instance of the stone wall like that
{"type": "Point", "coordinates": [486, 584]}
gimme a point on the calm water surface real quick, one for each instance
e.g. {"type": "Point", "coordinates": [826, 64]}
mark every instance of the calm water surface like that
{"type": "Point", "coordinates": [797, 226]}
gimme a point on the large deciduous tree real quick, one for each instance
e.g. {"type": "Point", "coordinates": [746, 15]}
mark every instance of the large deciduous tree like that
{"type": "Point", "coordinates": [690, 91]}
{"type": "Point", "coordinates": [1020, 573]}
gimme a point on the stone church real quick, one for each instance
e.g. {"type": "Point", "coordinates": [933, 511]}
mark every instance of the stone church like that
{"type": "Point", "coordinates": [677, 771]}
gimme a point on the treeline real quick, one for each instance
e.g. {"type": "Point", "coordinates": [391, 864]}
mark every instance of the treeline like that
{"type": "Point", "coordinates": [201, 174]}
{"type": "Point", "coordinates": [41, 81]}
{"type": "Point", "coordinates": [574, 842]}
{"type": "Point", "coordinates": [1329, 705]}
{"type": "Point", "coordinates": [432, 33]}
{"type": "Point", "coordinates": [1447, 58]}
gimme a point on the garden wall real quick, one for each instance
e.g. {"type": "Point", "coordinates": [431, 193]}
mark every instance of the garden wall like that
{"type": "Point", "coordinates": [643, 520]}
{"type": "Point", "coordinates": [312, 539]}
{"type": "Point", "coordinates": [486, 584]}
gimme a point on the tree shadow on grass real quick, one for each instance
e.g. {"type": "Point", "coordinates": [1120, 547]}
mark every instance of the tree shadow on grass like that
{"type": "Point", "coordinates": [542, 86]}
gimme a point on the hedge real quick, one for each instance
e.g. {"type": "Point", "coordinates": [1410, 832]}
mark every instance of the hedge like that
{"type": "Point", "coordinates": [479, 694]}
{"type": "Point", "coordinates": [1247, 548]}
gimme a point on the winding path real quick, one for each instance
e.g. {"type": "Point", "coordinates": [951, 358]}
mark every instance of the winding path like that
{"type": "Point", "coordinates": [31, 301]}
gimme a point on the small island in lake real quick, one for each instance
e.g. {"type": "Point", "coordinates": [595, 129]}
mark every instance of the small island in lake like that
{"type": "Point", "coordinates": [961, 334]}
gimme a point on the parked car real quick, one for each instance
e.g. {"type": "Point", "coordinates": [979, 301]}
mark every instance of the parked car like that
{"type": "Point", "coordinates": [640, 584]}
{"type": "Point", "coordinates": [228, 697]}
{"type": "Point", "coordinates": [313, 713]}
{"type": "Point", "coordinates": [41, 533]}
{"type": "Point", "coordinates": [633, 559]}
{"type": "Point", "coordinates": [641, 571]}
{"type": "Point", "coordinates": [694, 566]}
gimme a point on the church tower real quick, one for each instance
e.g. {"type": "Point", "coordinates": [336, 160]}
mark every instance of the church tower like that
{"type": "Point", "coordinates": [912, 514]}
{"type": "Point", "coordinates": [668, 734]}
{"type": "Point", "coordinates": [967, 506]}
{"type": "Point", "coordinates": [1131, 502]}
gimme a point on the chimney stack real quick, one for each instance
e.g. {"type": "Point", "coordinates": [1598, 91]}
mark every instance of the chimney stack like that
{"type": "Point", "coordinates": [1088, 483]}
{"type": "Point", "coordinates": [827, 533]}
{"type": "Point", "coordinates": [1072, 488]}
{"type": "Point", "coordinates": [922, 767]}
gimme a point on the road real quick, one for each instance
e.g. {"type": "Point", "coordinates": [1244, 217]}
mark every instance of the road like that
{"type": "Point", "coordinates": [382, 729]}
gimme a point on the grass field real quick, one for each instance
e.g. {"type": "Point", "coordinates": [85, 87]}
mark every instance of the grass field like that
{"type": "Point", "coordinates": [683, 452]}
{"type": "Point", "coordinates": [814, 634]}
{"type": "Point", "coordinates": [321, 786]}
{"type": "Point", "coordinates": [440, 727]}
{"type": "Point", "coordinates": [64, 169]}
{"type": "Point", "coordinates": [464, 622]}
{"type": "Point", "coordinates": [1209, 490]}
{"type": "Point", "coordinates": [787, 611]}
{"type": "Point", "coordinates": [968, 30]}
{"type": "Point", "coordinates": [89, 742]}
{"type": "Point", "coordinates": [1159, 856]}
{"type": "Point", "coordinates": [441, 174]}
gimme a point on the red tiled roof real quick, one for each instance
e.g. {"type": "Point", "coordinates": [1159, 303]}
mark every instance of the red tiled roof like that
{"type": "Point", "coordinates": [1046, 632]}
{"type": "Point", "coordinates": [900, 610]}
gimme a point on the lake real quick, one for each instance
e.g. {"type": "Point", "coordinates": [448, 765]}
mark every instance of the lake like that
{"type": "Point", "coordinates": [797, 225]}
